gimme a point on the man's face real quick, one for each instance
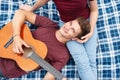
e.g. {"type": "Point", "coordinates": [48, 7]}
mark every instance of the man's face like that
{"type": "Point", "coordinates": [70, 29]}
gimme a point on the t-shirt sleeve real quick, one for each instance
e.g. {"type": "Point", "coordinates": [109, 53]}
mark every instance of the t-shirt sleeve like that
{"type": "Point", "coordinates": [43, 21]}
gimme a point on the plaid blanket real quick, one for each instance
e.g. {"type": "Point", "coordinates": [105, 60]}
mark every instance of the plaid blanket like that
{"type": "Point", "coordinates": [108, 26]}
{"type": "Point", "coordinates": [108, 51]}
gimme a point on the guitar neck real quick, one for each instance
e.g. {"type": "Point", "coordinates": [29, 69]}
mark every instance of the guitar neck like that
{"type": "Point", "coordinates": [46, 65]}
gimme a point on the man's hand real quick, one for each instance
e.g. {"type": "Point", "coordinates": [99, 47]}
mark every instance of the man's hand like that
{"type": "Point", "coordinates": [64, 79]}
{"type": "Point", "coordinates": [17, 45]}
{"type": "Point", "coordinates": [49, 76]}
{"type": "Point", "coordinates": [26, 8]}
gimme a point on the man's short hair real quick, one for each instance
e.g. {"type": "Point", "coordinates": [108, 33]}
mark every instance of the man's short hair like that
{"type": "Point", "coordinates": [84, 26]}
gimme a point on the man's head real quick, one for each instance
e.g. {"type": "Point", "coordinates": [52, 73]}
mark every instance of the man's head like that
{"type": "Point", "coordinates": [75, 28]}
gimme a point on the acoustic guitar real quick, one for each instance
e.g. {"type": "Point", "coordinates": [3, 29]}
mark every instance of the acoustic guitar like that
{"type": "Point", "coordinates": [6, 40]}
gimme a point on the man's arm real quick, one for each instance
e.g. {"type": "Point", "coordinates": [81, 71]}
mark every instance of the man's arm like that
{"type": "Point", "coordinates": [18, 20]}
{"type": "Point", "coordinates": [37, 5]}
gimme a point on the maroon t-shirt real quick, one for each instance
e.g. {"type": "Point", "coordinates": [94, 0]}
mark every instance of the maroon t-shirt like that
{"type": "Point", "coordinates": [57, 55]}
{"type": "Point", "coordinates": [71, 9]}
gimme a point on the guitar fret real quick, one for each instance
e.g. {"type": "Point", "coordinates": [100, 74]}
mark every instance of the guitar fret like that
{"type": "Point", "coordinates": [46, 65]}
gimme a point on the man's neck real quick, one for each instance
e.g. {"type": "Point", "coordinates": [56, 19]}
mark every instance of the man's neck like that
{"type": "Point", "coordinates": [60, 37]}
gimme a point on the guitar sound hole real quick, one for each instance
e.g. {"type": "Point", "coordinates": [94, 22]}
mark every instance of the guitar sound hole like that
{"type": "Point", "coordinates": [27, 51]}
{"type": "Point", "coordinates": [21, 54]}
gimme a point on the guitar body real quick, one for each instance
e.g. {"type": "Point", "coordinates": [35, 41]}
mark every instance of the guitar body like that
{"type": "Point", "coordinates": [25, 64]}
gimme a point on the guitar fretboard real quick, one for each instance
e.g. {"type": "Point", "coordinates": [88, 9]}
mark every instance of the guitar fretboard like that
{"type": "Point", "coordinates": [46, 65]}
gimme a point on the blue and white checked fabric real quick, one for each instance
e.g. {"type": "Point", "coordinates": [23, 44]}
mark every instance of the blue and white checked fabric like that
{"type": "Point", "coordinates": [108, 26]}
{"type": "Point", "coordinates": [108, 53]}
